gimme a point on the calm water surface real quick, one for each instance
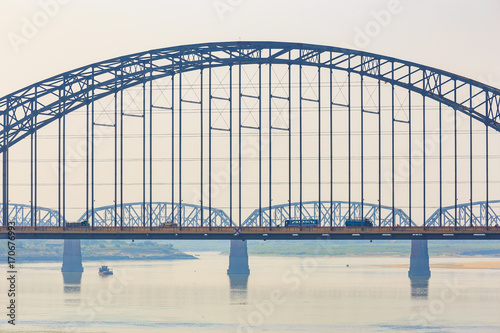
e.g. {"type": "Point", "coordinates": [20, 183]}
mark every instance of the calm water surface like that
{"type": "Point", "coordinates": [282, 294]}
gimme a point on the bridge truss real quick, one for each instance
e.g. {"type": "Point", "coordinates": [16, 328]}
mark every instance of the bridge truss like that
{"type": "Point", "coordinates": [266, 130]}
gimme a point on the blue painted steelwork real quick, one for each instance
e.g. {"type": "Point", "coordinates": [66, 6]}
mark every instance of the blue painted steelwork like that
{"type": "Point", "coordinates": [161, 212]}
{"type": "Point", "coordinates": [329, 214]}
{"type": "Point", "coordinates": [23, 215]}
{"type": "Point", "coordinates": [466, 215]}
{"type": "Point", "coordinates": [34, 107]}
{"type": "Point", "coordinates": [42, 98]}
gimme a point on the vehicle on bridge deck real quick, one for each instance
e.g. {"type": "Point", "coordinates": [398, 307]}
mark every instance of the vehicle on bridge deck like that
{"type": "Point", "coordinates": [78, 224]}
{"type": "Point", "coordinates": [105, 270]}
{"type": "Point", "coordinates": [358, 223]}
{"type": "Point", "coordinates": [305, 223]}
{"type": "Point", "coordinates": [167, 224]}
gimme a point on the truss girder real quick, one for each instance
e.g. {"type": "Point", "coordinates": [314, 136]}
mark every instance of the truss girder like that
{"type": "Point", "coordinates": [22, 215]}
{"type": "Point", "coordinates": [328, 213]}
{"type": "Point", "coordinates": [39, 104]}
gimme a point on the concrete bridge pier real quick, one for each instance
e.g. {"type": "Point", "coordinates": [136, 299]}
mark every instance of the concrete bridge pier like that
{"type": "Point", "coordinates": [419, 260]}
{"type": "Point", "coordinates": [238, 258]}
{"type": "Point", "coordinates": [72, 268]}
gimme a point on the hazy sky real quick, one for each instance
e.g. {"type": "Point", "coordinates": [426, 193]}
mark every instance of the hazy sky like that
{"type": "Point", "coordinates": [43, 38]}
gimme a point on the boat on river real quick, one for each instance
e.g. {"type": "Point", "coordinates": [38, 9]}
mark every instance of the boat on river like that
{"type": "Point", "coordinates": [105, 270]}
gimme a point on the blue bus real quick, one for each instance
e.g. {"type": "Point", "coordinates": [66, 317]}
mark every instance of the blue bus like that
{"type": "Point", "coordinates": [305, 223]}
{"type": "Point", "coordinates": [358, 223]}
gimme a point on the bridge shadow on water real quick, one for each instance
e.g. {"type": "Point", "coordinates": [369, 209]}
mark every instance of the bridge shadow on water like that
{"type": "Point", "coordinates": [72, 282]}
{"type": "Point", "coordinates": [419, 288]}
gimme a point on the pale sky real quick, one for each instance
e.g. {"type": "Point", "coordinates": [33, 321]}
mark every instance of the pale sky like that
{"type": "Point", "coordinates": [39, 41]}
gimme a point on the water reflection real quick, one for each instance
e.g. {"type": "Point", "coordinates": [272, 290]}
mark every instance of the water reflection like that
{"type": "Point", "coordinates": [72, 281]}
{"type": "Point", "coordinates": [419, 287]}
{"type": "Point", "coordinates": [238, 288]}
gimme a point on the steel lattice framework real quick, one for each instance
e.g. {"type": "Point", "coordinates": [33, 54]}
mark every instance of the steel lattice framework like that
{"type": "Point", "coordinates": [466, 215]}
{"type": "Point", "coordinates": [333, 214]}
{"type": "Point", "coordinates": [33, 107]}
{"type": "Point", "coordinates": [22, 215]}
{"type": "Point", "coordinates": [28, 110]}
{"type": "Point", "coordinates": [136, 215]}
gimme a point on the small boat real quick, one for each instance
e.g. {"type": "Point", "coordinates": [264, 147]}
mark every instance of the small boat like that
{"type": "Point", "coordinates": [105, 270]}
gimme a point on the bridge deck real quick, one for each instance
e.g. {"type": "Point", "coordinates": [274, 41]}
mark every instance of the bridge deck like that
{"type": "Point", "coordinates": [294, 233]}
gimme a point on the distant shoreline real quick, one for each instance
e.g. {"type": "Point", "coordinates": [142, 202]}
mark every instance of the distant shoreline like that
{"type": "Point", "coordinates": [455, 265]}
{"type": "Point", "coordinates": [21, 259]}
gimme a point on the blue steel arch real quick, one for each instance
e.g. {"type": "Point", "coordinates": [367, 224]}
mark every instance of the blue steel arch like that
{"type": "Point", "coordinates": [161, 212]}
{"type": "Point", "coordinates": [332, 214]}
{"type": "Point", "coordinates": [39, 104]}
{"type": "Point", "coordinates": [22, 215]}
{"type": "Point", "coordinates": [465, 215]}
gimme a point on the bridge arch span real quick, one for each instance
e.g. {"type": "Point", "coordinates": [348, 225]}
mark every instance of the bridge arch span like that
{"type": "Point", "coordinates": [59, 95]}
{"type": "Point", "coordinates": [333, 214]}
{"type": "Point", "coordinates": [240, 125]}
{"type": "Point", "coordinates": [137, 214]}
{"type": "Point", "coordinates": [22, 215]}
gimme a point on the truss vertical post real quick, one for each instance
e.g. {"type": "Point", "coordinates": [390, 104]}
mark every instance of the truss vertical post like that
{"type": "Point", "coordinates": [150, 142]}
{"type": "Point", "coordinates": [31, 161]}
{"type": "Point", "coordinates": [143, 211]}
{"type": "Point", "coordinates": [59, 161]}
{"type": "Point", "coordinates": [409, 150]}
{"type": "Point", "coordinates": [210, 145]}
{"type": "Point", "coordinates": [93, 147]}
{"type": "Point", "coordinates": [424, 156]}
{"type": "Point", "coordinates": [319, 142]}
{"type": "Point", "coordinates": [331, 147]}
{"type": "Point", "coordinates": [379, 155]}
{"type": "Point", "coordinates": [487, 167]}
{"type": "Point", "coordinates": [87, 154]}
{"type": "Point", "coordinates": [122, 216]}
{"type": "Point", "coordinates": [5, 173]}
{"type": "Point", "coordinates": [289, 138]}
{"type": "Point", "coordinates": [270, 144]}
{"type": "Point", "coordinates": [260, 145]}
{"type": "Point", "coordinates": [440, 166]}
{"type": "Point", "coordinates": [173, 148]}
{"type": "Point", "coordinates": [349, 137]}
{"type": "Point", "coordinates": [239, 144]}
{"type": "Point", "coordinates": [36, 161]}
{"type": "Point", "coordinates": [300, 144]}
{"type": "Point", "coordinates": [455, 149]}
{"type": "Point", "coordinates": [470, 155]}
{"type": "Point", "coordinates": [116, 160]}
{"type": "Point", "coordinates": [392, 154]}
{"type": "Point", "coordinates": [201, 145]}
{"type": "Point", "coordinates": [64, 161]}
{"type": "Point", "coordinates": [362, 151]}
{"type": "Point", "coordinates": [180, 149]}
{"type": "Point", "coordinates": [231, 143]}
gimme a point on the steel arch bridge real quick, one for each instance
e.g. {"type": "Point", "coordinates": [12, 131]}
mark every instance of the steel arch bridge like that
{"type": "Point", "coordinates": [322, 132]}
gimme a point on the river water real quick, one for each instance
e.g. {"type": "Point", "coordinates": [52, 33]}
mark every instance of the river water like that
{"type": "Point", "coordinates": [282, 294]}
